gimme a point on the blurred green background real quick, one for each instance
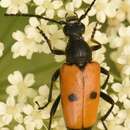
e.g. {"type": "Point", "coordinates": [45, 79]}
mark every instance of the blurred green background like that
{"type": "Point", "coordinates": [41, 65]}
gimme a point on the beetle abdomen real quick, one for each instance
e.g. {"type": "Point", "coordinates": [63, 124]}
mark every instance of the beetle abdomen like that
{"type": "Point", "coordinates": [80, 94]}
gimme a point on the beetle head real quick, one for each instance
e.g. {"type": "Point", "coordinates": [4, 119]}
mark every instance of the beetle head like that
{"type": "Point", "coordinates": [73, 27]}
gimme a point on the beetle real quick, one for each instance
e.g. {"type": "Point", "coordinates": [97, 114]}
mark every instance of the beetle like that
{"type": "Point", "coordinates": [79, 76]}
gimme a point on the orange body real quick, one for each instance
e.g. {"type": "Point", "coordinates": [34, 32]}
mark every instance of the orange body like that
{"type": "Point", "coordinates": [80, 91]}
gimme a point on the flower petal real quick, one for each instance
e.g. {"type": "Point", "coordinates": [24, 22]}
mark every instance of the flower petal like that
{"type": "Point", "coordinates": [2, 108]}
{"type": "Point", "coordinates": [27, 109]}
{"type": "Point", "coordinates": [12, 90]}
{"type": "Point", "coordinates": [10, 101]}
{"type": "Point", "coordinates": [23, 8]}
{"type": "Point", "coordinates": [15, 78]}
{"type": "Point", "coordinates": [43, 90]}
{"type": "Point", "coordinates": [101, 17]}
{"type": "Point", "coordinates": [5, 3]}
{"type": "Point", "coordinates": [57, 4]}
{"type": "Point", "coordinates": [29, 80]}
{"type": "Point", "coordinates": [7, 119]}
{"type": "Point", "coordinates": [77, 3]}
{"type": "Point", "coordinates": [19, 127]}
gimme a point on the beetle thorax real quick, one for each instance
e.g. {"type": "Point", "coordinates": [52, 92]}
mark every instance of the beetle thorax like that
{"type": "Point", "coordinates": [78, 52]}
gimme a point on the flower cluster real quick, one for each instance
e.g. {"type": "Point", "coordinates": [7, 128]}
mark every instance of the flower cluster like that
{"type": "Point", "coordinates": [27, 43]}
{"type": "Point", "coordinates": [113, 32]}
{"type": "Point", "coordinates": [20, 107]}
{"type": "Point", "coordinates": [15, 5]}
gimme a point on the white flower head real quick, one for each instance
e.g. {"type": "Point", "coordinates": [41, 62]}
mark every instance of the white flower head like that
{"type": "Point", "coordinates": [15, 6]}
{"type": "Point", "coordinates": [33, 120]}
{"type": "Point", "coordinates": [56, 37]}
{"type": "Point", "coordinates": [4, 128]}
{"type": "Point", "coordinates": [43, 95]}
{"type": "Point", "coordinates": [104, 9]}
{"type": "Point", "coordinates": [123, 10]}
{"type": "Point", "coordinates": [10, 111]}
{"type": "Point", "coordinates": [27, 43]}
{"type": "Point", "coordinates": [19, 127]}
{"type": "Point", "coordinates": [20, 86]}
{"type": "Point", "coordinates": [47, 6]}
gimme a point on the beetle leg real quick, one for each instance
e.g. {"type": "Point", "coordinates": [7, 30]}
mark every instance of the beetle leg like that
{"type": "Point", "coordinates": [53, 110]}
{"type": "Point", "coordinates": [37, 16]}
{"type": "Point", "coordinates": [98, 46]}
{"type": "Point", "coordinates": [94, 30]}
{"type": "Point", "coordinates": [54, 78]}
{"type": "Point", "coordinates": [95, 47]}
{"type": "Point", "coordinates": [104, 71]}
{"type": "Point", "coordinates": [109, 100]}
{"type": "Point", "coordinates": [54, 51]}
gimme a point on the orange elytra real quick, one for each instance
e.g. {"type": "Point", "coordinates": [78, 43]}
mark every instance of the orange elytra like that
{"type": "Point", "coordinates": [80, 92]}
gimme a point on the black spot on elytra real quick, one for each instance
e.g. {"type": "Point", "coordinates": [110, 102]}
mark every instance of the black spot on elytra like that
{"type": "Point", "coordinates": [93, 95]}
{"type": "Point", "coordinates": [72, 97]}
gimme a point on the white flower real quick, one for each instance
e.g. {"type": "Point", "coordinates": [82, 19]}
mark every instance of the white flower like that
{"type": "Point", "coordinates": [121, 116]}
{"type": "Point", "coordinates": [4, 128]}
{"type": "Point", "coordinates": [47, 6]}
{"type": "Point", "coordinates": [70, 6]}
{"type": "Point", "coordinates": [44, 46]}
{"type": "Point", "coordinates": [20, 86]}
{"type": "Point", "coordinates": [43, 95]}
{"type": "Point", "coordinates": [123, 91]}
{"type": "Point", "coordinates": [19, 127]}
{"type": "Point", "coordinates": [123, 39]}
{"type": "Point", "coordinates": [127, 121]}
{"type": "Point", "coordinates": [27, 109]}
{"type": "Point", "coordinates": [56, 37]}
{"type": "Point", "coordinates": [2, 108]}
{"type": "Point", "coordinates": [104, 107]}
{"type": "Point", "coordinates": [54, 34]}
{"type": "Point", "coordinates": [113, 126]}
{"type": "Point", "coordinates": [15, 6]}
{"type": "Point", "coordinates": [124, 10]}
{"type": "Point", "coordinates": [42, 99]}
{"type": "Point", "coordinates": [11, 111]}
{"type": "Point", "coordinates": [27, 43]}
{"type": "Point", "coordinates": [99, 36]}
{"type": "Point", "coordinates": [1, 48]}
{"type": "Point", "coordinates": [33, 118]}
{"type": "Point", "coordinates": [121, 54]}
{"type": "Point", "coordinates": [59, 58]}
{"type": "Point", "coordinates": [99, 55]}
{"type": "Point", "coordinates": [59, 124]}
{"type": "Point", "coordinates": [104, 9]}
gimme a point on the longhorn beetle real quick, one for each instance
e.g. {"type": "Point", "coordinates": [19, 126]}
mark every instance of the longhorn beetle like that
{"type": "Point", "coordinates": [79, 76]}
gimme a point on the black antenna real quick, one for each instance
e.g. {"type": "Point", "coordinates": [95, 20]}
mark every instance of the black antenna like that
{"type": "Point", "coordinates": [37, 16]}
{"type": "Point", "coordinates": [86, 12]}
